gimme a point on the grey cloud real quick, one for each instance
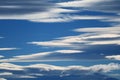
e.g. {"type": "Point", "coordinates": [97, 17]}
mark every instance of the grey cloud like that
{"type": "Point", "coordinates": [107, 6]}
{"type": "Point", "coordinates": [55, 11]}
{"type": "Point", "coordinates": [14, 7]}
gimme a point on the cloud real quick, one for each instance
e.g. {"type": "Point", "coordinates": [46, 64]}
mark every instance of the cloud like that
{"type": "Point", "coordinates": [105, 68]}
{"type": "Point", "coordinates": [79, 3]}
{"type": "Point", "coordinates": [105, 42]}
{"type": "Point", "coordinates": [39, 71]}
{"type": "Point", "coordinates": [92, 36]}
{"type": "Point", "coordinates": [101, 30]}
{"type": "Point", "coordinates": [114, 57]}
{"type": "Point", "coordinates": [3, 79]}
{"type": "Point", "coordinates": [48, 11]}
{"type": "Point", "coordinates": [69, 51]}
{"type": "Point", "coordinates": [1, 56]}
{"type": "Point", "coordinates": [43, 56]}
{"type": "Point", "coordinates": [16, 7]}
{"type": "Point", "coordinates": [6, 74]}
{"type": "Point", "coordinates": [52, 16]}
{"type": "Point", "coordinates": [1, 37]}
{"type": "Point", "coordinates": [91, 41]}
{"type": "Point", "coordinates": [7, 49]}
{"type": "Point", "coordinates": [8, 66]}
{"type": "Point", "coordinates": [99, 5]}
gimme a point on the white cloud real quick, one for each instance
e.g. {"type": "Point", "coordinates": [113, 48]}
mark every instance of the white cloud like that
{"type": "Point", "coordinates": [45, 67]}
{"type": "Point", "coordinates": [3, 79]}
{"type": "Point", "coordinates": [79, 3]}
{"type": "Point", "coordinates": [105, 42]}
{"type": "Point", "coordinates": [111, 6]}
{"type": "Point", "coordinates": [105, 68]}
{"type": "Point", "coordinates": [54, 13]}
{"type": "Point", "coordinates": [1, 56]}
{"type": "Point", "coordinates": [8, 66]}
{"type": "Point", "coordinates": [69, 51]}
{"type": "Point", "coordinates": [24, 76]}
{"type": "Point", "coordinates": [40, 56]}
{"type": "Point", "coordinates": [109, 33]}
{"type": "Point", "coordinates": [95, 68]}
{"type": "Point", "coordinates": [94, 36]}
{"type": "Point", "coordinates": [6, 74]}
{"type": "Point", "coordinates": [115, 57]}
{"type": "Point", "coordinates": [101, 30]}
{"type": "Point", "coordinates": [29, 57]}
{"type": "Point", "coordinates": [29, 71]}
{"type": "Point", "coordinates": [51, 43]}
{"type": "Point", "coordinates": [55, 16]}
{"type": "Point", "coordinates": [11, 7]}
{"type": "Point", "coordinates": [7, 49]}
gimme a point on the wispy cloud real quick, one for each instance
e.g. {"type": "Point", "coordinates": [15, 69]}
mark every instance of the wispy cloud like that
{"type": "Point", "coordinates": [114, 29]}
{"type": "Point", "coordinates": [45, 70]}
{"type": "Point", "coordinates": [94, 36]}
{"type": "Point", "coordinates": [47, 11]}
{"type": "Point", "coordinates": [1, 56]}
{"type": "Point", "coordinates": [6, 74]}
{"type": "Point", "coordinates": [69, 51]}
{"type": "Point", "coordinates": [114, 57]}
{"type": "Point", "coordinates": [3, 79]}
{"type": "Point", "coordinates": [99, 5]}
{"type": "Point", "coordinates": [85, 39]}
{"type": "Point", "coordinates": [7, 49]}
{"type": "Point", "coordinates": [16, 7]}
{"type": "Point", "coordinates": [1, 37]}
{"type": "Point", "coordinates": [43, 56]}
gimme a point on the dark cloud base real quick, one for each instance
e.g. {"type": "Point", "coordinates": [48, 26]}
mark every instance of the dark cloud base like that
{"type": "Point", "coordinates": [16, 7]}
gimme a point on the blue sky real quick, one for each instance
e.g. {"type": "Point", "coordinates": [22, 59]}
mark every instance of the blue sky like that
{"type": "Point", "coordinates": [49, 35]}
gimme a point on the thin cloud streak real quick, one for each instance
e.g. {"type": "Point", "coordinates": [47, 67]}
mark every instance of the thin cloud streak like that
{"type": "Point", "coordinates": [7, 49]}
{"type": "Point", "coordinates": [114, 57]}
{"type": "Point", "coordinates": [39, 57]}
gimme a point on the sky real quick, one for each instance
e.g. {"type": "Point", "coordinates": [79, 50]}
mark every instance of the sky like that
{"type": "Point", "coordinates": [59, 40]}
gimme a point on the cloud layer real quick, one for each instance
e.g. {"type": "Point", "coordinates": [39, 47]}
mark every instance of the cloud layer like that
{"type": "Point", "coordinates": [16, 7]}
{"type": "Point", "coordinates": [94, 43]}
{"type": "Point", "coordinates": [51, 11]}
{"type": "Point", "coordinates": [40, 71]}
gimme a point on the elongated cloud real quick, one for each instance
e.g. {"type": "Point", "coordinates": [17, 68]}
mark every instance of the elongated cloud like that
{"type": "Point", "coordinates": [3, 79]}
{"type": "Point", "coordinates": [1, 37]}
{"type": "Point", "coordinates": [43, 56]}
{"type": "Point", "coordinates": [92, 37]}
{"type": "Point", "coordinates": [50, 11]}
{"type": "Point", "coordinates": [69, 51]}
{"type": "Point", "coordinates": [99, 5]}
{"type": "Point", "coordinates": [16, 7]}
{"type": "Point", "coordinates": [1, 56]}
{"type": "Point", "coordinates": [7, 49]}
{"type": "Point", "coordinates": [40, 71]}
{"type": "Point", "coordinates": [114, 57]}
{"type": "Point", "coordinates": [94, 33]}
{"type": "Point", "coordinates": [100, 30]}
{"type": "Point", "coordinates": [6, 74]}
